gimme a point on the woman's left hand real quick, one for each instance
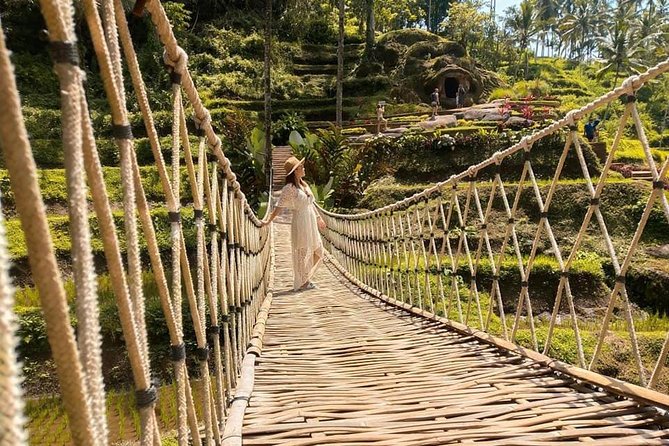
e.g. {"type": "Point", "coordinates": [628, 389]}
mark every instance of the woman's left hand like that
{"type": "Point", "coordinates": [321, 224]}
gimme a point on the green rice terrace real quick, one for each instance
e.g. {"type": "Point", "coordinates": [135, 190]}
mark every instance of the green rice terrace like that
{"type": "Point", "coordinates": [518, 78]}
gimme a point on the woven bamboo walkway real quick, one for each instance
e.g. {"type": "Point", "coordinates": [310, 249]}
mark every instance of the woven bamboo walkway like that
{"type": "Point", "coordinates": [339, 367]}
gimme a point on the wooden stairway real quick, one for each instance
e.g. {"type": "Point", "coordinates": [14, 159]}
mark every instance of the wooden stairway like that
{"type": "Point", "coordinates": [279, 156]}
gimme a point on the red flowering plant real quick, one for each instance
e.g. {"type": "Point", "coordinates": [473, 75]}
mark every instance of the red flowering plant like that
{"type": "Point", "coordinates": [527, 111]}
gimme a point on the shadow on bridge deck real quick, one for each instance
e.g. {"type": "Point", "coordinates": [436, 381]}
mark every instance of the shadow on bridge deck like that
{"type": "Point", "coordinates": [339, 367]}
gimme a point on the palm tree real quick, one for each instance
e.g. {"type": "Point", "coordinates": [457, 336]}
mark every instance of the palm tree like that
{"type": "Point", "coordinates": [340, 62]}
{"type": "Point", "coordinates": [578, 29]}
{"type": "Point", "coordinates": [651, 31]}
{"type": "Point", "coordinates": [546, 16]}
{"type": "Point", "coordinates": [620, 48]}
{"type": "Point", "coordinates": [522, 23]}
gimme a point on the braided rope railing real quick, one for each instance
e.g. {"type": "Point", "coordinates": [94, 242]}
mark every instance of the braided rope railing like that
{"type": "Point", "coordinates": [428, 252]}
{"type": "Point", "coordinates": [231, 278]}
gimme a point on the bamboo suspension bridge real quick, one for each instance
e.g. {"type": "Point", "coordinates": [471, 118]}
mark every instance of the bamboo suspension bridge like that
{"type": "Point", "coordinates": [403, 343]}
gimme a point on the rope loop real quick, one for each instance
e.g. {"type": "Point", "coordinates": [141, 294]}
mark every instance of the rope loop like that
{"type": "Point", "coordinates": [202, 121]}
{"type": "Point", "coordinates": [202, 353]}
{"type": "Point", "coordinates": [213, 331]}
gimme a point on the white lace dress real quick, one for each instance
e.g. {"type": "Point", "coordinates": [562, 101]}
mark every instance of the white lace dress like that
{"type": "Point", "coordinates": [304, 237]}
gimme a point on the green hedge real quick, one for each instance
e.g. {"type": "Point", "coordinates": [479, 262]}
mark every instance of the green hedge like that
{"type": "Point", "coordinates": [424, 157]}
{"type": "Point", "coordinates": [43, 123]}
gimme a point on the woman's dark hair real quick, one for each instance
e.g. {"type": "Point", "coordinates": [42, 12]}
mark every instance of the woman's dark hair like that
{"type": "Point", "coordinates": [291, 179]}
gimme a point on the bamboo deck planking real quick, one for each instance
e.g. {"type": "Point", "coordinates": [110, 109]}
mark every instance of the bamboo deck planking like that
{"type": "Point", "coordinates": [341, 367]}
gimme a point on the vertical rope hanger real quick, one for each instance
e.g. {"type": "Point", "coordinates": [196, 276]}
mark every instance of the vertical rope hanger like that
{"type": "Point", "coordinates": [136, 343]}
{"type": "Point", "coordinates": [88, 327]}
{"type": "Point", "coordinates": [12, 421]}
{"type": "Point", "coordinates": [30, 207]}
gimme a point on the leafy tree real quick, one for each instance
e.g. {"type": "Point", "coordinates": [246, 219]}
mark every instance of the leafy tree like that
{"type": "Point", "coordinates": [466, 23]}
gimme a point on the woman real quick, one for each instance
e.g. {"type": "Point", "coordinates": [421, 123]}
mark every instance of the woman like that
{"type": "Point", "coordinates": [304, 237]}
{"type": "Point", "coordinates": [380, 110]}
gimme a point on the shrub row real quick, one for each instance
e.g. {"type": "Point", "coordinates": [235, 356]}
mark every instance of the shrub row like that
{"type": "Point", "coordinates": [59, 227]}
{"type": "Point", "coordinates": [48, 153]}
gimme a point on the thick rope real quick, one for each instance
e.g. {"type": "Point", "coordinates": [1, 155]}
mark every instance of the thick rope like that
{"type": "Point", "coordinates": [12, 421]}
{"type": "Point", "coordinates": [89, 337]}
{"type": "Point", "coordinates": [30, 207]}
{"type": "Point", "coordinates": [137, 346]}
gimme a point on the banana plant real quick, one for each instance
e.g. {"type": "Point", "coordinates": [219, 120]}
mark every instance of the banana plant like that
{"type": "Point", "coordinates": [323, 193]}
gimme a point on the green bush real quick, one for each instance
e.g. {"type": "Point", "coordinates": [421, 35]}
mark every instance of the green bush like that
{"type": "Point", "coordinates": [319, 30]}
{"type": "Point", "coordinates": [501, 93]}
{"type": "Point", "coordinates": [630, 151]}
{"type": "Point", "coordinates": [535, 88]}
{"type": "Point", "coordinates": [31, 331]}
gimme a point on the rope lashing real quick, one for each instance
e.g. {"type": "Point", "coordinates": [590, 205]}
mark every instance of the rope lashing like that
{"type": "Point", "coordinates": [64, 52]}
{"type": "Point", "coordinates": [147, 397]}
{"type": "Point", "coordinates": [202, 353]}
{"type": "Point", "coordinates": [178, 352]}
{"type": "Point", "coordinates": [122, 131]}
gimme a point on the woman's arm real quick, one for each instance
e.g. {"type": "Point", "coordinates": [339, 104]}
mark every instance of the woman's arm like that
{"type": "Point", "coordinates": [272, 216]}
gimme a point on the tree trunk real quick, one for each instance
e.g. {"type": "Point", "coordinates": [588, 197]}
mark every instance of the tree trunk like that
{"type": "Point", "coordinates": [527, 61]}
{"type": "Point", "coordinates": [369, 41]}
{"type": "Point", "coordinates": [268, 92]}
{"type": "Point", "coordinates": [340, 62]}
{"type": "Point", "coordinates": [429, 15]}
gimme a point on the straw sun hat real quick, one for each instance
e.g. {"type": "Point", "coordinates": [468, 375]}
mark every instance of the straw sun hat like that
{"type": "Point", "coordinates": [291, 164]}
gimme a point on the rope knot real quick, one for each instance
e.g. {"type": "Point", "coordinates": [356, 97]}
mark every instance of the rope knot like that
{"type": "Point", "coordinates": [202, 122]}
{"type": "Point", "coordinates": [177, 65]}
{"type": "Point", "coordinates": [631, 84]}
{"type": "Point", "coordinates": [571, 120]}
